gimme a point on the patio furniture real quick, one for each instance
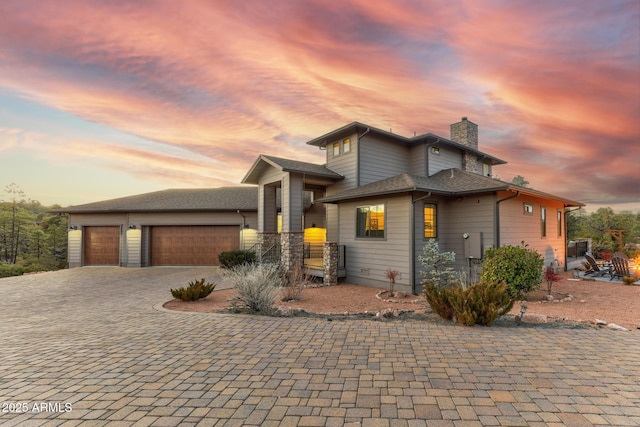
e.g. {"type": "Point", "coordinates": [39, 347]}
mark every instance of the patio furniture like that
{"type": "Point", "coordinates": [620, 267]}
{"type": "Point", "coordinates": [594, 268]}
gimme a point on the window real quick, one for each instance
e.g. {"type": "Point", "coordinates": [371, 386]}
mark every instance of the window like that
{"type": "Point", "coordinates": [559, 223]}
{"type": "Point", "coordinates": [336, 149]}
{"type": "Point", "coordinates": [430, 230]}
{"type": "Point", "coordinates": [370, 221]}
{"type": "Point", "coordinates": [543, 222]}
{"type": "Point", "coordinates": [435, 150]}
{"type": "Point", "coordinates": [527, 208]}
{"type": "Point", "coordinates": [346, 145]}
{"type": "Point", "coordinates": [486, 170]}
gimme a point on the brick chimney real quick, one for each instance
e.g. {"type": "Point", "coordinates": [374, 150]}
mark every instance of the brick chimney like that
{"type": "Point", "coordinates": [466, 133]}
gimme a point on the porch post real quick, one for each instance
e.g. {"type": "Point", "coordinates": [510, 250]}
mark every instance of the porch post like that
{"type": "Point", "coordinates": [330, 263]}
{"type": "Point", "coordinates": [292, 249]}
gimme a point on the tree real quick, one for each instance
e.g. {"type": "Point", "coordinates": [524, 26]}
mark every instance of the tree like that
{"type": "Point", "coordinates": [29, 235]}
{"type": "Point", "coordinates": [594, 226]}
{"type": "Point", "coordinates": [519, 180]}
{"type": "Point", "coordinates": [12, 222]}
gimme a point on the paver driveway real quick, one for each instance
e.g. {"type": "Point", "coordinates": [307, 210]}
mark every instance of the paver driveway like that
{"type": "Point", "coordinates": [87, 346]}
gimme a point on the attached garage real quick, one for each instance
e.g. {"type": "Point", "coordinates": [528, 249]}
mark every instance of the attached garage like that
{"type": "Point", "coordinates": [176, 227]}
{"type": "Point", "coordinates": [191, 245]}
{"type": "Point", "coordinates": [101, 245]}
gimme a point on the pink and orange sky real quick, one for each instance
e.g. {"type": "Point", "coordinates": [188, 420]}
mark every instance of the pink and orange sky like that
{"type": "Point", "coordinates": [108, 99]}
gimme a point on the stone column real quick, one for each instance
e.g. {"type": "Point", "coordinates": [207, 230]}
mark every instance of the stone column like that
{"type": "Point", "coordinates": [266, 241]}
{"type": "Point", "coordinates": [330, 263]}
{"type": "Point", "coordinates": [292, 249]}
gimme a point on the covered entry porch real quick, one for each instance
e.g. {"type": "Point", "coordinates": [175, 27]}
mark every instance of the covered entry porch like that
{"type": "Point", "coordinates": [291, 226]}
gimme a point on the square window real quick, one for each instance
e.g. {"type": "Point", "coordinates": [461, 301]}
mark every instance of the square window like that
{"type": "Point", "coordinates": [527, 208]}
{"type": "Point", "coordinates": [370, 221]}
{"type": "Point", "coordinates": [435, 150]}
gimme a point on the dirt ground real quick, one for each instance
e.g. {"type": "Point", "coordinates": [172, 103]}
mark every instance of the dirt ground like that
{"type": "Point", "coordinates": [608, 301]}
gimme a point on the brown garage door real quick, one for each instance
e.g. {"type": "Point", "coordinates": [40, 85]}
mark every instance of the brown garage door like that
{"type": "Point", "coordinates": [192, 244]}
{"type": "Point", "coordinates": [101, 245]}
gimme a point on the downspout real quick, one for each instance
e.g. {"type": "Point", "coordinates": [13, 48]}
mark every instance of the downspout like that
{"type": "Point", "coordinates": [566, 237]}
{"type": "Point", "coordinates": [497, 232]}
{"type": "Point", "coordinates": [358, 164]}
{"type": "Point", "coordinates": [412, 244]}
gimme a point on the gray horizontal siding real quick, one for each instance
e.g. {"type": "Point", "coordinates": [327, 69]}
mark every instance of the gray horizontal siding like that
{"type": "Point", "coordinates": [368, 259]}
{"type": "Point", "coordinates": [447, 158]}
{"type": "Point", "coordinates": [346, 164]}
{"type": "Point", "coordinates": [380, 159]}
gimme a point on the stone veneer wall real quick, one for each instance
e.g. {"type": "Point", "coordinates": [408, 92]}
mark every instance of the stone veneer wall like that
{"type": "Point", "coordinates": [466, 132]}
{"type": "Point", "coordinates": [470, 163]}
{"type": "Point", "coordinates": [292, 249]}
{"type": "Point", "coordinates": [330, 263]}
{"type": "Point", "coordinates": [266, 240]}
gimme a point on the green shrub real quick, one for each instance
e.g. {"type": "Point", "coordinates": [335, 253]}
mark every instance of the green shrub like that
{"type": "Point", "coordinates": [230, 259]}
{"type": "Point", "coordinates": [258, 286]}
{"type": "Point", "coordinates": [520, 268]}
{"type": "Point", "coordinates": [9, 270]}
{"type": "Point", "coordinates": [480, 304]}
{"type": "Point", "coordinates": [196, 290]}
{"type": "Point", "coordinates": [438, 300]}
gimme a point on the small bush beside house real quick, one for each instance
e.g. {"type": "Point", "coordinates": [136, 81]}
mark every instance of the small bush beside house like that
{"type": "Point", "coordinates": [468, 304]}
{"type": "Point", "coordinates": [479, 304]}
{"type": "Point", "coordinates": [196, 290]}
{"type": "Point", "coordinates": [258, 286]}
{"type": "Point", "coordinates": [231, 259]}
{"type": "Point", "coordinates": [517, 266]}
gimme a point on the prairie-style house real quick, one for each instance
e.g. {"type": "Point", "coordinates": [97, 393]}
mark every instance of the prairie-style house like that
{"type": "Point", "coordinates": [371, 207]}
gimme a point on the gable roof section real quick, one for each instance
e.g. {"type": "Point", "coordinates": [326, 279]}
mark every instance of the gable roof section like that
{"type": "Point", "coordinates": [428, 138]}
{"type": "Point", "coordinates": [173, 200]}
{"type": "Point", "coordinates": [450, 182]}
{"type": "Point", "coordinates": [287, 165]}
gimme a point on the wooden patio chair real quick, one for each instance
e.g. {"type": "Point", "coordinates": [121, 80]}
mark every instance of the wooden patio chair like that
{"type": "Point", "coordinates": [594, 268]}
{"type": "Point", "coordinates": [620, 267]}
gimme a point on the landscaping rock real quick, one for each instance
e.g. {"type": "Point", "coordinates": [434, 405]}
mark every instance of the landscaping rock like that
{"type": "Point", "coordinates": [616, 327]}
{"type": "Point", "coordinates": [531, 318]}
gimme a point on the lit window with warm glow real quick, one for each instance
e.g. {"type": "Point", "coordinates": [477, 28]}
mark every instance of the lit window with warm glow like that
{"type": "Point", "coordinates": [370, 221]}
{"type": "Point", "coordinates": [336, 149]}
{"type": "Point", "coordinates": [430, 230]}
{"type": "Point", "coordinates": [346, 145]}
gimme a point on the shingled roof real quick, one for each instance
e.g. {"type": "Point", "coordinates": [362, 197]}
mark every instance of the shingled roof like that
{"type": "Point", "coordinates": [449, 182]}
{"type": "Point", "coordinates": [172, 200]}
{"type": "Point", "coordinates": [288, 165]}
{"type": "Point", "coordinates": [427, 138]}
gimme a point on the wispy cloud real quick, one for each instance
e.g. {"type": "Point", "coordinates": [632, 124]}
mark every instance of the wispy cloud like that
{"type": "Point", "coordinates": [204, 87]}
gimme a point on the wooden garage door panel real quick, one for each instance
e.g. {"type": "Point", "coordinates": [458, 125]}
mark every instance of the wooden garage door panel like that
{"type": "Point", "coordinates": [192, 245]}
{"type": "Point", "coordinates": [101, 245]}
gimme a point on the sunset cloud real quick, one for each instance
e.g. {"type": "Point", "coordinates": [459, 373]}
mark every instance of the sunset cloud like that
{"type": "Point", "coordinates": [183, 94]}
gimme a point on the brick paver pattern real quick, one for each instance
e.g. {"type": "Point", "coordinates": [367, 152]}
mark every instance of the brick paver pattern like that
{"type": "Point", "coordinates": [91, 346]}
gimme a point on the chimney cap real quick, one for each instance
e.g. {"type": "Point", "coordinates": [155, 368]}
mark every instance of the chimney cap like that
{"type": "Point", "coordinates": [464, 118]}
